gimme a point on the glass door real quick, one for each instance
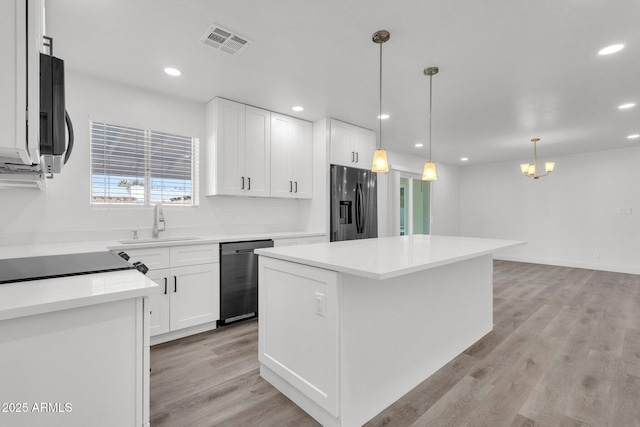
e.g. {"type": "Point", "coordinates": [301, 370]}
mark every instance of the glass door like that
{"type": "Point", "coordinates": [420, 208]}
{"type": "Point", "coordinates": [414, 205]}
{"type": "Point", "coordinates": [404, 206]}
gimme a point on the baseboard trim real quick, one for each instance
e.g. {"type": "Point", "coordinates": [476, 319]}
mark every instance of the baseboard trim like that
{"type": "Point", "coordinates": [170, 336]}
{"type": "Point", "coordinates": [571, 264]}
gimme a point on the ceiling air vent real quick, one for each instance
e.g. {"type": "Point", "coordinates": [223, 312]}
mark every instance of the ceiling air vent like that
{"type": "Point", "coordinates": [222, 39]}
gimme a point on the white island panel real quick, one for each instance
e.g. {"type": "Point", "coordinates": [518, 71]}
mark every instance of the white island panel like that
{"type": "Point", "coordinates": [397, 332]}
{"type": "Point", "coordinates": [76, 367]}
{"type": "Point", "coordinates": [299, 341]}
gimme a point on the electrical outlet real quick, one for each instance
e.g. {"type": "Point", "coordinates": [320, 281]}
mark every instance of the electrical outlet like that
{"type": "Point", "coordinates": [625, 211]}
{"type": "Point", "coordinates": [320, 306]}
{"type": "Point", "coordinates": [596, 254]}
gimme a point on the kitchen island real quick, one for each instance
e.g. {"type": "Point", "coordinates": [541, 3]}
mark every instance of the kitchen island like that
{"type": "Point", "coordinates": [347, 328]}
{"type": "Point", "coordinates": [75, 350]}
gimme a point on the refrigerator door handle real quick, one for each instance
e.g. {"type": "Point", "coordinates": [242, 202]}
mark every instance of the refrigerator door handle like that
{"type": "Point", "coordinates": [359, 207]}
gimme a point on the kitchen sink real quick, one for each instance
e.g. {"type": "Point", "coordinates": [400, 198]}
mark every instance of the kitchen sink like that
{"type": "Point", "coordinates": [159, 240]}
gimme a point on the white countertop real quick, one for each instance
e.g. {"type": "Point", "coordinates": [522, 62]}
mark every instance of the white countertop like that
{"type": "Point", "coordinates": [19, 251]}
{"type": "Point", "coordinates": [388, 257]}
{"type": "Point", "coordinates": [47, 295]}
{"type": "Point", "coordinates": [41, 296]}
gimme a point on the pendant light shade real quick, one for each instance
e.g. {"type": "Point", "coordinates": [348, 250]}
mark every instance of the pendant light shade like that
{"type": "Point", "coordinates": [549, 166]}
{"type": "Point", "coordinates": [380, 163]}
{"type": "Point", "coordinates": [429, 172]}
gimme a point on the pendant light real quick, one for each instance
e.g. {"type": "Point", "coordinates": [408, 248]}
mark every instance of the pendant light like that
{"type": "Point", "coordinates": [380, 163]}
{"type": "Point", "coordinates": [532, 170]}
{"type": "Point", "coordinates": [429, 171]}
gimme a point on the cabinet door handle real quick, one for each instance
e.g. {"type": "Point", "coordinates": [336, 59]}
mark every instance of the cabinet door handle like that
{"type": "Point", "coordinates": [296, 186]}
{"type": "Point", "coordinates": [356, 157]}
{"type": "Point", "coordinates": [242, 188]}
{"type": "Point", "coordinates": [290, 186]}
{"type": "Point", "coordinates": [175, 284]}
{"type": "Point", "coordinates": [249, 180]}
{"type": "Point", "coordinates": [165, 285]}
{"type": "Point", "coordinates": [353, 156]}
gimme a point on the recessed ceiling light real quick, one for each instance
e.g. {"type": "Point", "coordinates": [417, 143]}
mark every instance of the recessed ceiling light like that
{"type": "Point", "coordinates": [418, 145]}
{"type": "Point", "coordinates": [611, 49]}
{"type": "Point", "coordinates": [297, 108]}
{"type": "Point", "coordinates": [634, 136]}
{"type": "Point", "coordinates": [464, 159]}
{"type": "Point", "coordinates": [384, 116]}
{"type": "Point", "coordinates": [172, 71]}
{"type": "Point", "coordinates": [625, 106]}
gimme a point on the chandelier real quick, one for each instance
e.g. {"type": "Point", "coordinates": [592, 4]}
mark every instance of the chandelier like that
{"type": "Point", "coordinates": [531, 170]}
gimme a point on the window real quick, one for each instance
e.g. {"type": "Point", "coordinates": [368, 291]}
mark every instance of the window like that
{"type": "Point", "coordinates": [132, 166]}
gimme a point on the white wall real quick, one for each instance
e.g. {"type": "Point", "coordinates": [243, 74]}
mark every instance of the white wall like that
{"type": "Point", "coordinates": [569, 218]}
{"type": "Point", "coordinates": [314, 214]}
{"type": "Point", "coordinates": [62, 212]}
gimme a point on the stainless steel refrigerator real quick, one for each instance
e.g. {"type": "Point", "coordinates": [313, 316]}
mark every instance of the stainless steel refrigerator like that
{"type": "Point", "coordinates": [354, 204]}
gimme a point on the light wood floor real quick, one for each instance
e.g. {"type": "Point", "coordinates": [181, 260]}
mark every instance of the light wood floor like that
{"type": "Point", "coordinates": [564, 351]}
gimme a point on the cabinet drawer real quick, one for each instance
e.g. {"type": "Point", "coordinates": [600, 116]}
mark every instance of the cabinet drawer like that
{"type": "Point", "coordinates": [194, 255]}
{"type": "Point", "coordinates": [153, 258]}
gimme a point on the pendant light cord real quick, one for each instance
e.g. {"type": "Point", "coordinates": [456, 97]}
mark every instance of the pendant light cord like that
{"type": "Point", "coordinates": [430, 103]}
{"type": "Point", "coordinates": [380, 116]}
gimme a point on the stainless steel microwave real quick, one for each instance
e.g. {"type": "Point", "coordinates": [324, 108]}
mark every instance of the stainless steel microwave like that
{"type": "Point", "coordinates": [54, 119]}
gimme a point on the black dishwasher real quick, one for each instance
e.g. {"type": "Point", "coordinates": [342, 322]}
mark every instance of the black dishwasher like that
{"type": "Point", "coordinates": [239, 280]}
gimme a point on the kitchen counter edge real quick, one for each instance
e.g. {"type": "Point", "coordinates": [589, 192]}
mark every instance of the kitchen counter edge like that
{"type": "Point", "coordinates": [30, 250]}
{"type": "Point", "coordinates": [381, 263]}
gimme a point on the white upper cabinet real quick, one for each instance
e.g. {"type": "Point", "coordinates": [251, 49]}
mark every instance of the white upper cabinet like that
{"type": "Point", "coordinates": [302, 159]}
{"type": "Point", "coordinates": [238, 148]}
{"type": "Point", "coordinates": [363, 143]}
{"type": "Point", "coordinates": [291, 157]}
{"type": "Point", "coordinates": [257, 152]}
{"type": "Point", "coordinates": [341, 152]}
{"type": "Point", "coordinates": [352, 145]}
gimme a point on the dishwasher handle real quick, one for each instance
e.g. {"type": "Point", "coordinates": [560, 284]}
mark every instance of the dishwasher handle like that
{"type": "Point", "coordinates": [236, 248]}
{"type": "Point", "coordinates": [244, 251]}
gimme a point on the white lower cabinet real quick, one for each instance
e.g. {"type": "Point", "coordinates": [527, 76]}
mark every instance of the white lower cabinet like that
{"type": "Point", "coordinates": [196, 295]}
{"type": "Point", "coordinates": [189, 294]}
{"type": "Point", "coordinates": [159, 304]}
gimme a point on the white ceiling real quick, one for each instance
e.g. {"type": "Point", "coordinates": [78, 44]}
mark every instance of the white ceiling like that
{"type": "Point", "coordinates": [510, 70]}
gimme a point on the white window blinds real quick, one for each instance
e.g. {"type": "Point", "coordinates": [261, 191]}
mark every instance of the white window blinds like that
{"type": "Point", "coordinates": [142, 167]}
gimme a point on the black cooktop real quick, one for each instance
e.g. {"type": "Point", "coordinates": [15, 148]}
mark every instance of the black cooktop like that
{"type": "Point", "coordinates": [47, 267]}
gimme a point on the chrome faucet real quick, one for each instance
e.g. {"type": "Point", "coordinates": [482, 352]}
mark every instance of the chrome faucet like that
{"type": "Point", "coordinates": [158, 219]}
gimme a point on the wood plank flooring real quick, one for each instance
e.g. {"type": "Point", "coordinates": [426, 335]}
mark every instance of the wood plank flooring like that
{"type": "Point", "coordinates": [564, 351]}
